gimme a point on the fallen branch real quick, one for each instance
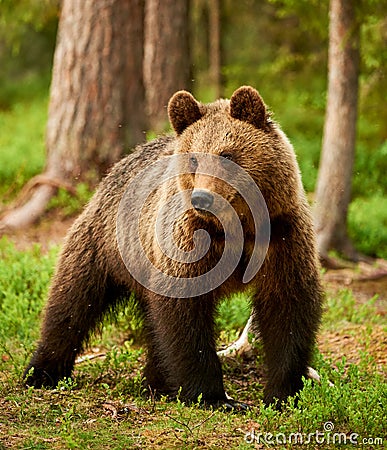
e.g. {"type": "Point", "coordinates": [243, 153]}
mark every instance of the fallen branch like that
{"type": "Point", "coordinates": [84, 358]}
{"type": "Point", "coordinates": [242, 345]}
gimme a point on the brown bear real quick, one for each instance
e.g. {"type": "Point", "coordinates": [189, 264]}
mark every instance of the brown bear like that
{"type": "Point", "coordinates": [119, 243]}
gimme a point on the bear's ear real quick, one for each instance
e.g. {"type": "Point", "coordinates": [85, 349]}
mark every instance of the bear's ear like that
{"type": "Point", "coordinates": [183, 110]}
{"type": "Point", "coordinates": [247, 105]}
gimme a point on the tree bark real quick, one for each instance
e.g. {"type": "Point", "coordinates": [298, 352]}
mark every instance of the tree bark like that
{"type": "Point", "coordinates": [215, 51]}
{"type": "Point", "coordinates": [97, 60]}
{"type": "Point", "coordinates": [166, 56]}
{"type": "Point", "coordinates": [97, 100]}
{"type": "Point", "coordinates": [333, 192]}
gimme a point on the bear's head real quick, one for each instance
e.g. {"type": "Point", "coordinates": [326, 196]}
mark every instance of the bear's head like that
{"type": "Point", "coordinates": [245, 105]}
{"type": "Point", "coordinates": [217, 137]}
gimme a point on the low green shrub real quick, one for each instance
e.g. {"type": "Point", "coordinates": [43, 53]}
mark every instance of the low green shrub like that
{"type": "Point", "coordinates": [367, 223]}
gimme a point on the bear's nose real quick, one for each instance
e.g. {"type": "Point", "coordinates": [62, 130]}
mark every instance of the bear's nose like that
{"type": "Point", "coordinates": [201, 199]}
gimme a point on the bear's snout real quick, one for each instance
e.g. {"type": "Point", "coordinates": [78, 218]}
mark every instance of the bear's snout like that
{"type": "Point", "coordinates": [201, 199]}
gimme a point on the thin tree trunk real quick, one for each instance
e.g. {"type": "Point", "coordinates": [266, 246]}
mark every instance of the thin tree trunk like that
{"type": "Point", "coordinates": [215, 53]}
{"type": "Point", "coordinates": [97, 101]}
{"type": "Point", "coordinates": [333, 192]}
{"type": "Point", "coordinates": [166, 55]}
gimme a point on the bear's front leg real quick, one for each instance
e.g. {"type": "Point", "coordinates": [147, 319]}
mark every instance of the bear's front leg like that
{"type": "Point", "coordinates": [181, 351]}
{"type": "Point", "coordinates": [78, 297]}
{"type": "Point", "coordinates": [287, 308]}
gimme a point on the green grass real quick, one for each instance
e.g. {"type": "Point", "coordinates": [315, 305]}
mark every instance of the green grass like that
{"type": "Point", "coordinates": [69, 204]}
{"type": "Point", "coordinates": [101, 407]}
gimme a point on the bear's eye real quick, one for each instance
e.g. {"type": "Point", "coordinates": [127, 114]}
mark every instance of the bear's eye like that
{"type": "Point", "coordinates": [193, 162]}
{"type": "Point", "coordinates": [227, 158]}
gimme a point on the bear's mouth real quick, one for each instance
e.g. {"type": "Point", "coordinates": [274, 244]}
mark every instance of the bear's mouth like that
{"type": "Point", "coordinates": [204, 211]}
{"type": "Point", "coordinates": [205, 214]}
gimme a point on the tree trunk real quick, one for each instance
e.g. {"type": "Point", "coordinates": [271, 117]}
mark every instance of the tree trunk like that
{"type": "Point", "coordinates": [166, 55]}
{"type": "Point", "coordinates": [333, 191]}
{"type": "Point", "coordinates": [215, 52]}
{"type": "Point", "coordinates": [97, 107]}
{"type": "Point", "coordinates": [89, 111]}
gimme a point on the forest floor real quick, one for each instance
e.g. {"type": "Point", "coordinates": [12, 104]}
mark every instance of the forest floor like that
{"type": "Point", "coordinates": [103, 408]}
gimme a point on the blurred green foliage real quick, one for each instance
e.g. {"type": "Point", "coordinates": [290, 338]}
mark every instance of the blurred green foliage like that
{"type": "Point", "coordinates": [367, 222]}
{"type": "Point", "coordinates": [20, 16]}
{"type": "Point", "coordinates": [22, 153]}
{"type": "Point", "coordinates": [27, 42]}
{"type": "Point", "coordinates": [278, 46]}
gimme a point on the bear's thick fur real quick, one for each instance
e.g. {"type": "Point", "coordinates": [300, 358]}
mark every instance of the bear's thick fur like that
{"type": "Point", "coordinates": [91, 277]}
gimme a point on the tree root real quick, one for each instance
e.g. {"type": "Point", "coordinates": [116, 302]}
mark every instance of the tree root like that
{"type": "Point", "coordinates": [32, 202]}
{"type": "Point", "coordinates": [348, 258]}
